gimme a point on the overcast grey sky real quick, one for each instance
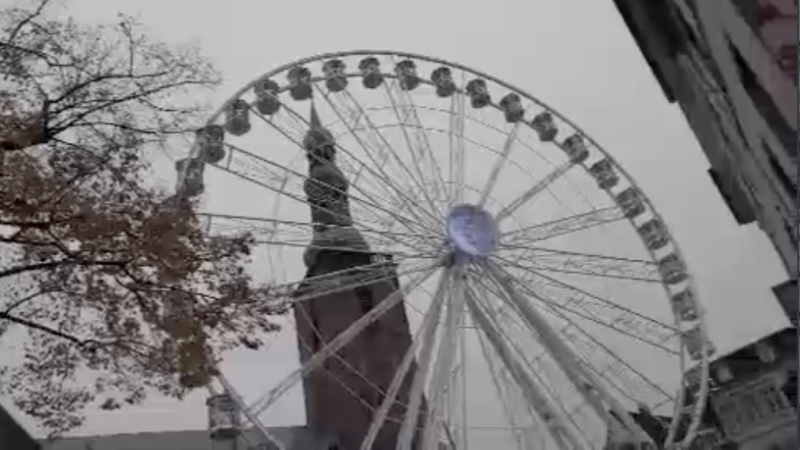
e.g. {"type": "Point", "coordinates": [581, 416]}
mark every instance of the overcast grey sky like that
{"type": "Point", "coordinates": [576, 55]}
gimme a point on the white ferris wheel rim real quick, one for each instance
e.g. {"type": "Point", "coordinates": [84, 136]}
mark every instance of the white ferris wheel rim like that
{"type": "Point", "coordinates": [703, 363]}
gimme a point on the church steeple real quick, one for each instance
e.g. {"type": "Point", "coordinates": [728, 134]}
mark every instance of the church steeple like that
{"type": "Point", "coordinates": [327, 191]}
{"type": "Point", "coordinates": [335, 398]}
{"type": "Point", "coordinates": [318, 142]}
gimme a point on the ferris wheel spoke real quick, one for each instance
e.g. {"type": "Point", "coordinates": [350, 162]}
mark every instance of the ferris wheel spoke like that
{"type": "Point", "coordinates": [399, 240]}
{"type": "Point", "coordinates": [620, 374]}
{"type": "Point", "coordinates": [273, 176]}
{"type": "Point", "coordinates": [424, 336]}
{"type": "Point", "coordinates": [386, 149]}
{"type": "Point", "coordinates": [270, 230]}
{"type": "Point", "coordinates": [610, 324]}
{"type": "Point", "coordinates": [457, 124]}
{"type": "Point", "coordinates": [429, 160]}
{"type": "Point", "coordinates": [560, 227]}
{"type": "Point", "coordinates": [459, 287]}
{"type": "Point", "coordinates": [605, 406]}
{"type": "Point", "coordinates": [499, 164]}
{"type": "Point", "coordinates": [409, 130]}
{"type": "Point", "coordinates": [415, 397]}
{"type": "Point", "coordinates": [542, 259]}
{"type": "Point", "coordinates": [533, 367]}
{"type": "Point", "coordinates": [278, 185]}
{"type": "Point", "coordinates": [441, 371]}
{"type": "Point", "coordinates": [348, 366]}
{"type": "Point", "coordinates": [523, 356]}
{"type": "Point", "coordinates": [579, 337]}
{"type": "Point", "coordinates": [385, 181]}
{"type": "Point", "coordinates": [582, 338]}
{"type": "Point", "coordinates": [344, 338]}
{"type": "Point", "coordinates": [532, 192]}
{"type": "Point", "coordinates": [312, 288]}
{"type": "Point", "coordinates": [370, 204]}
{"type": "Point", "coordinates": [603, 373]}
{"type": "Point", "coordinates": [423, 147]}
{"type": "Point", "coordinates": [572, 299]}
{"type": "Point", "coordinates": [557, 424]}
{"type": "Point", "coordinates": [498, 379]}
{"type": "Point", "coordinates": [432, 254]}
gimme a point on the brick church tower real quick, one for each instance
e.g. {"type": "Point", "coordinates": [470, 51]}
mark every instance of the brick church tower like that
{"type": "Point", "coordinates": [341, 397]}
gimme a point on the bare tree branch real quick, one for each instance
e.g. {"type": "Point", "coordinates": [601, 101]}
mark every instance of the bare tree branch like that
{"type": "Point", "coordinates": [107, 278]}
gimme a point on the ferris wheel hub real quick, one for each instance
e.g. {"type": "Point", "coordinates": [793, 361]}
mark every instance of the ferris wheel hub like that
{"type": "Point", "coordinates": [472, 232]}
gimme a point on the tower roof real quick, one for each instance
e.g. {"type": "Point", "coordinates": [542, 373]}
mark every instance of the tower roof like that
{"type": "Point", "coordinates": [316, 124]}
{"type": "Point", "coordinates": [317, 135]}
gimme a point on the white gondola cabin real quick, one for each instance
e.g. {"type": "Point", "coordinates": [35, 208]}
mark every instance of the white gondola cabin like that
{"type": "Point", "coordinates": [371, 76]}
{"type": "Point", "coordinates": [335, 76]}
{"type": "Point", "coordinates": [672, 269]}
{"type": "Point", "coordinates": [190, 177]}
{"type": "Point", "coordinates": [512, 108]}
{"type": "Point", "coordinates": [603, 172]}
{"type": "Point", "coordinates": [694, 344]}
{"type": "Point", "coordinates": [478, 93]}
{"type": "Point", "coordinates": [300, 87]}
{"type": "Point", "coordinates": [654, 234]}
{"type": "Point", "coordinates": [684, 305]}
{"type": "Point", "coordinates": [576, 149]}
{"type": "Point", "coordinates": [442, 78]}
{"type": "Point", "coordinates": [545, 126]}
{"type": "Point", "coordinates": [224, 418]}
{"type": "Point", "coordinates": [406, 72]}
{"type": "Point", "coordinates": [267, 101]}
{"type": "Point", "coordinates": [210, 140]}
{"type": "Point", "coordinates": [630, 201]}
{"type": "Point", "coordinates": [237, 117]}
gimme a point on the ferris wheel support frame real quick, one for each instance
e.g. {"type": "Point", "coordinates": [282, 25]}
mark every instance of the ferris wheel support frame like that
{"type": "Point", "coordinates": [705, 345]}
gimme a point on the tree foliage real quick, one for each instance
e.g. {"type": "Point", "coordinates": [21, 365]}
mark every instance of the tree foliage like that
{"type": "Point", "coordinates": [109, 288]}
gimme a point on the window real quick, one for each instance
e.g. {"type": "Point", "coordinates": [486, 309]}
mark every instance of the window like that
{"type": "Point", "coordinates": [365, 301]}
{"type": "Point", "coordinates": [790, 388]}
{"type": "Point", "coordinates": [763, 102]}
{"type": "Point", "coordinates": [787, 60]}
{"type": "Point", "coordinates": [750, 409]}
{"type": "Point", "coordinates": [316, 341]}
{"type": "Point", "coordinates": [772, 400]}
{"type": "Point", "coordinates": [729, 416]}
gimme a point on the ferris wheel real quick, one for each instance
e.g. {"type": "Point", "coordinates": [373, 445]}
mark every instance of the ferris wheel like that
{"type": "Point", "coordinates": [465, 266]}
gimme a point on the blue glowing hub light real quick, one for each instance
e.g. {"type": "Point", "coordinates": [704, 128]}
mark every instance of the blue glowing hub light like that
{"type": "Point", "coordinates": [472, 232]}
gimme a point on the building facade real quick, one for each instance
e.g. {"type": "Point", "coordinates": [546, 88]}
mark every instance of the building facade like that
{"type": "Point", "coordinates": [731, 66]}
{"type": "Point", "coordinates": [752, 400]}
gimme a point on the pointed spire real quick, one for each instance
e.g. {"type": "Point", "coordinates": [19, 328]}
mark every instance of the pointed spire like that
{"type": "Point", "coordinates": [316, 124]}
{"type": "Point", "coordinates": [317, 136]}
